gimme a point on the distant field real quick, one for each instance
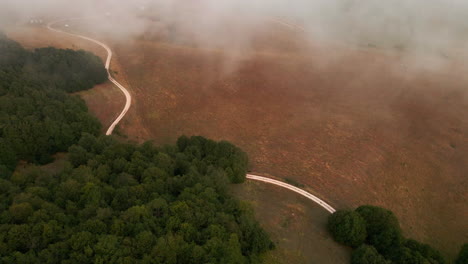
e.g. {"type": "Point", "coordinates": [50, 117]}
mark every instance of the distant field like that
{"type": "Point", "coordinates": [37, 37]}
{"type": "Point", "coordinates": [295, 224]}
{"type": "Point", "coordinates": [355, 126]}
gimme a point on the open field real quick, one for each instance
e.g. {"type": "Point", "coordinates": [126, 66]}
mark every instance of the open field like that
{"type": "Point", "coordinates": [38, 37]}
{"type": "Point", "coordinates": [356, 126]}
{"type": "Point", "coordinates": [104, 101]}
{"type": "Point", "coordinates": [300, 235]}
{"type": "Point", "coordinates": [295, 224]}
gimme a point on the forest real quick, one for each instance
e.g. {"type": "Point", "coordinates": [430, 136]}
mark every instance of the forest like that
{"type": "Point", "coordinates": [375, 235]}
{"type": "Point", "coordinates": [37, 115]}
{"type": "Point", "coordinates": [111, 201]}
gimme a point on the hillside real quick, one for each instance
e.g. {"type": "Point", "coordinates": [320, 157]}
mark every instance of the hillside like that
{"type": "Point", "coordinates": [357, 126]}
{"type": "Point", "coordinates": [108, 200]}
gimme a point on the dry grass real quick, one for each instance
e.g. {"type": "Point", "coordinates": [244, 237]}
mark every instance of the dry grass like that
{"type": "Point", "coordinates": [32, 37]}
{"type": "Point", "coordinates": [104, 101]}
{"type": "Point", "coordinates": [360, 127]}
{"type": "Point", "coordinates": [295, 224]}
{"type": "Point", "coordinates": [357, 128]}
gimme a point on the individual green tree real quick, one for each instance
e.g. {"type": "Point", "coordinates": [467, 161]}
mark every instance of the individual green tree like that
{"type": "Point", "coordinates": [366, 254]}
{"type": "Point", "coordinates": [383, 228]}
{"type": "Point", "coordinates": [233, 251]}
{"type": "Point", "coordinates": [7, 155]}
{"type": "Point", "coordinates": [182, 142]}
{"type": "Point", "coordinates": [55, 253]}
{"type": "Point", "coordinates": [107, 249]}
{"type": "Point", "coordinates": [463, 255]}
{"type": "Point", "coordinates": [405, 255]}
{"type": "Point", "coordinates": [19, 238]}
{"type": "Point", "coordinates": [171, 249]}
{"type": "Point", "coordinates": [28, 257]}
{"type": "Point", "coordinates": [20, 212]}
{"type": "Point", "coordinates": [77, 155]}
{"type": "Point", "coordinates": [347, 227]}
{"type": "Point", "coordinates": [164, 162]}
{"type": "Point", "coordinates": [427, 252]}
{"type": "Point", "coordinates": [143, 243]}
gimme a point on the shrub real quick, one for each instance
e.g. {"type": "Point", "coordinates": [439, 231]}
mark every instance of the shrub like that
{"type": "Point", "coordinates": [463, 255]}
{"type": "Point", "coordinates": [383, 229]}
{"type": "Point", "coordinates": [347, 227]}
{"type": "Point", "coordinates": [366, 254]}
{"type": "Point", "coordinates": [426, 251]}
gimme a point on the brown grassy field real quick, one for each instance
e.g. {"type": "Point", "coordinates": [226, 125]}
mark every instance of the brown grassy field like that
{"type": "Point", "coordinates": [105, 101]}
{"type": "Point", "coordinates": [355, 126]}
{"type": "Point", "coordinates": [296, 225]}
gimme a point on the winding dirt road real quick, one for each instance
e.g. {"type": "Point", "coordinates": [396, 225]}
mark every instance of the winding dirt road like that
{"type": "Point", "coordinates": [128, 98]}
{"type": "Point", "coordinates": [294, 189]}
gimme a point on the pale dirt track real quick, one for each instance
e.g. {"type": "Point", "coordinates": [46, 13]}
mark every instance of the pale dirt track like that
{"type": "Point", "coordinates": [128, 98]}
{"type": "Point", "coordinates": [294, 189]}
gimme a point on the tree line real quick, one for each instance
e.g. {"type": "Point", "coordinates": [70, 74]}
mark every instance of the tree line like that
{"type": "Point", "coordinates": [375, 235]}
{"type": "Point", "coordinates": [117, 202]}
{"type": "Point", "coordinates": [112, 201]}
{"type": "Point", "coordinates": [37, 116]}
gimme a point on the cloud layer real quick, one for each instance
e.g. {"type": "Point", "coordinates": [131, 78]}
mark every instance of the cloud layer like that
{"type": "Point", "coordinates": [437, 26]}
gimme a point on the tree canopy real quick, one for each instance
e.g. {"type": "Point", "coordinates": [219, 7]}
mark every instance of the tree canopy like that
{"type": "Point", "coordinates": [383, 228]}
{"type": "Point", "coordinates": [377, 235]}
{"type": "Point", "coordinates": [366, 254]}
{"type": "Point", "coordinates": [347, 227]}
{"type": "Point", "coordinates": [112, 201]}
{"type": "Point", "coordinates": [123, 203]}
{"type": "Point", "coordinates": [37, 117]}
{"type": "Point", "coordinates": [463, 255]}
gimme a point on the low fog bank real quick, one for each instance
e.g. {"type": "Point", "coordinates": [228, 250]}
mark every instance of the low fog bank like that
{"type": "Point", "coordinates": [438, 27]}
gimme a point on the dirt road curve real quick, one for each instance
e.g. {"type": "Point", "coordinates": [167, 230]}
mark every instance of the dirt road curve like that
{"type": "Point", "coordinates": [128, 97]}
{"type": "Point", "coordinates": [294, 189]}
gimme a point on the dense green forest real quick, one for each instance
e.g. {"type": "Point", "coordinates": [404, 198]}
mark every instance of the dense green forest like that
{"type": "Point", "coordinates": [463, 255]}
{"type": "Point", "coordinates": [37, 116]}
{"type": "Point", "coordinates": [122, 203]}
{"type": "Point", "coordinates": [111, 201]}
{"type": "Point", "coordinates": [375, 235]}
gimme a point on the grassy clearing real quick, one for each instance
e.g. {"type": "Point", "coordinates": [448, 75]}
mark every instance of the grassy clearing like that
{"type": "Point", "coordinates": [296, 225]}
{"type": "Point", "coordinates": [355, 127]}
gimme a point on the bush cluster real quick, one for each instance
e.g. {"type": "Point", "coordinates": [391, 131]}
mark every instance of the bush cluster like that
{"type": "Point", "coordinates": [37, 116]}
{"type": "Point", "coordinates": [376, 237]}
{"type": "Point", "coordinates": [125, 203]}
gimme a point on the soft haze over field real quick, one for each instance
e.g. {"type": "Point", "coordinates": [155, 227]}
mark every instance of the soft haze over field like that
{"type": "Point", "coordinates": [335, 108]}
{"type": "Point", "coordinates": [439, 27]}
